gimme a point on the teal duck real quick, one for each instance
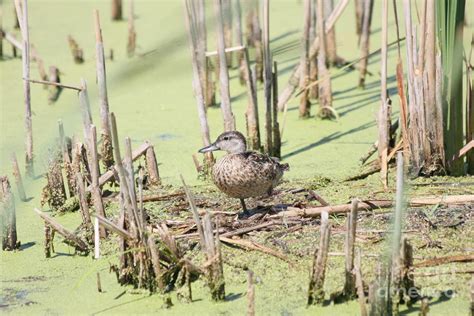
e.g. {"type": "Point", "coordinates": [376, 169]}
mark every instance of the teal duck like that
{"type": "Point", "coordinates": [243, 174]}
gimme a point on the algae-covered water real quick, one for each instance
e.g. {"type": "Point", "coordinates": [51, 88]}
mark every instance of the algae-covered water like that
{"type": "Point", "coordinates": [152, 97]}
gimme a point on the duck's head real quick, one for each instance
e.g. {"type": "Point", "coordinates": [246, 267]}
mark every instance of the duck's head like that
{"type": "Point", "coordinates": [232, 142]}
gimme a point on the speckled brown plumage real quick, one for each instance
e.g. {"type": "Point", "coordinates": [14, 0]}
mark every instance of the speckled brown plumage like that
{"type": "Point", "coordinates": [247, 174]}
{"type": "Point", "coordinates": [242, 174]}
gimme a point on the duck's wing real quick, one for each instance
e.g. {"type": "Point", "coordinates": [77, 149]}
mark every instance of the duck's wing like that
{"type": "Point", "coordinates": [265, 161]}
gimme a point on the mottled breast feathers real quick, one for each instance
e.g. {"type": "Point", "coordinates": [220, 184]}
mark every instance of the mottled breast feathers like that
{"type": "Point", "coordinates": [247, 174]}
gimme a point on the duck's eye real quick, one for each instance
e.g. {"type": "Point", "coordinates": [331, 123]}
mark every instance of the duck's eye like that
{"type": "Point", "coordinates": [226, 138]}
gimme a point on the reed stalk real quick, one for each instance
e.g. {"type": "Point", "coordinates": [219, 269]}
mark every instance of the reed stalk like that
{"type": "Point", "coordinates": [325, 90]}
{"type": "Point", "coordinates": [106, 147]}
{"type": "Point", "coordinates": [304, 108]}
{"type": "Point", "coordinates": [368, 6]}
{"type": "Point", "coordinates": [227, 115]}
{"type": "Point", "coordinates": [116, 10]}
{"type": "Point", "coordinates": [22, 13]}
{"type": "Point", "coordinates": [267, 79]}
{"type": "Point", "coordinates": [199, 90]}
{"type": "Point", "coordinates": [384, 112]}
{"type": "Point", "coordinates": [331, 35]}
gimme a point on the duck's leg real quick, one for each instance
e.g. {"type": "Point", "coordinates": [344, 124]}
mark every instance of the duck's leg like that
{"type": "Point", "coordinates": [244, 207]}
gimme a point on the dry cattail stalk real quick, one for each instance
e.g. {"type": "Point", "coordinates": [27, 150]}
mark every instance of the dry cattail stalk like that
{"type": "Point", "coordinates": [293, 82]}
{"type": "Point", "coordinates": [325, 90]}
{"type": "Point", "coordinates": [199, 90]}
{"type": "Point", "coordinates": [8, 216]}
{"type": "Point", "coordinates": [351, 228]}
{"type": "Point", "coordinates": [253, 125]}
{"type": "Point", "coordinates": [316, 284]}
{"type": "Point", "coordinates": [368, 6]}
{"type": "Point", "coordinates": [331, 35]}
{"type": "Point", "coordinates": [304, 107]}
{"type": "Point", "coordinates": [22, 13]}
{"type": "Point", "coordinates": [132, 35]}
{"type": "Point", "coordinates": [106, 147]}
{"type": "Point", "coordinates": [267, 79]}
{"type": "Point", "coordinates": [18, 178]}
{"type": "Point", "coordinates": [227, 115]}
{"type": "Point", "coordinates": [384, 114]}
{"type": "Point", "coordinates": [116, 10]}
{"type": "Point", "coordinates": [95, 174]}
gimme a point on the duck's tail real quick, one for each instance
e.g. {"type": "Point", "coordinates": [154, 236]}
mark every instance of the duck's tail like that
{"type": "Point", "coordinates": [284, 166]}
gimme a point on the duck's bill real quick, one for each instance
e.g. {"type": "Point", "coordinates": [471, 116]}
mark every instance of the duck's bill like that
{"type": "Point", "coordinates": [208, 149]}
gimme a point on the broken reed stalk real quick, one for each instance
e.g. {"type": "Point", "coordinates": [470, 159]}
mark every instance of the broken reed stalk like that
{"type": "Point", "coordinates": [68, 235]}
{"type": "Point", "coordinates": [116, 13]}
{"type": "Point", "coordinates": [331, 35]}
{"type": "Point", "coordinates": [1, 33]}
{"type": "Point", "coordinates": [95, 174]}
{"type": "Point", "coordinates": [253, 125]}
{"type": "Point", "coordinates": [57, 84]}
{"type": "Point", "coordinates": [210, 245]}
{"type": "Point", "coordinates": [65, 147]}
{"type": "Point", "coordinates": [83, 202]}
{"type": "Point", "coordinates": [359, 281]}
{"type": "Point", "coordinates": [18, 179]}
{"type": "Point", "coordinates": [99, 284]}
{"type": "Point", "coordinates": [106, 147]}
{"type": "Point", "coordinates": [198, 15]}
{"type": "Point", "coordinates": [407, 282]}
{"type": "Point", "coordinates": [227, 115]}
{"type": "Point", "coordinates": [22, 13]}
{"type": "Point", "coordinates": [325, 90]}
{"type": "Point", "coordinates": [250, 294]}
{"type": "Point", "coordinates": [241, 64]}
{"type": "Point", "coordinates": [373, 204]}
{"type": "Point", "coordinates": [199, 91]}
{"type": "Point", "coordinates": [76, 51]}
{"type": "Point", "coordinates": [85, 109]}
{"type": "Point", "coordinates": [194, 210]}
{"type": "Point", "coordinates": [54, 91]}
{"type": "Point", "coordinates": [316, 284]}
{"type": "Point", "coordinates": [368, 6]}
{"type": "Point", "coordinates": [304, 107]}
{"type": "Point", "coordinates": [125, 190]}
{"type": "Point", "coordinates": [130, 177]}
{"type": "Point", "coordinates": [349, 246]}
{"type": "Point", "coordinates": [48, 240]}
{"type": "Point", "coordinates": [313, 62]}
{"type": "Point", "coordinates": [152, 167]}
{"type": "Point", "coordinates": [254, 37]}
{"type": "Point", "coordinates": [132, 35]}
{"type": "Point", "coordinates": [215, 271]}
{"type": "Point", "coordinates": [109, 174]}
{"type": "Point", "coordinates": [359, 11]}
{"type": "Point", "coordinates": [226, 11]}
{"type": "Point", "coordinates": [385, 111]}
{"type": "Point", "coordinates": [39, 61]}
{"type": "Point", "coordinates": [294, 79]}
{"type": "Point", "coordinates": [276, 126]}
{"type": "Point", "coordinates": [8, 216]}
{"type": "Point", "coordinates": [267, 78]}
{"type": "Point", "coordinates": [403, 117]}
